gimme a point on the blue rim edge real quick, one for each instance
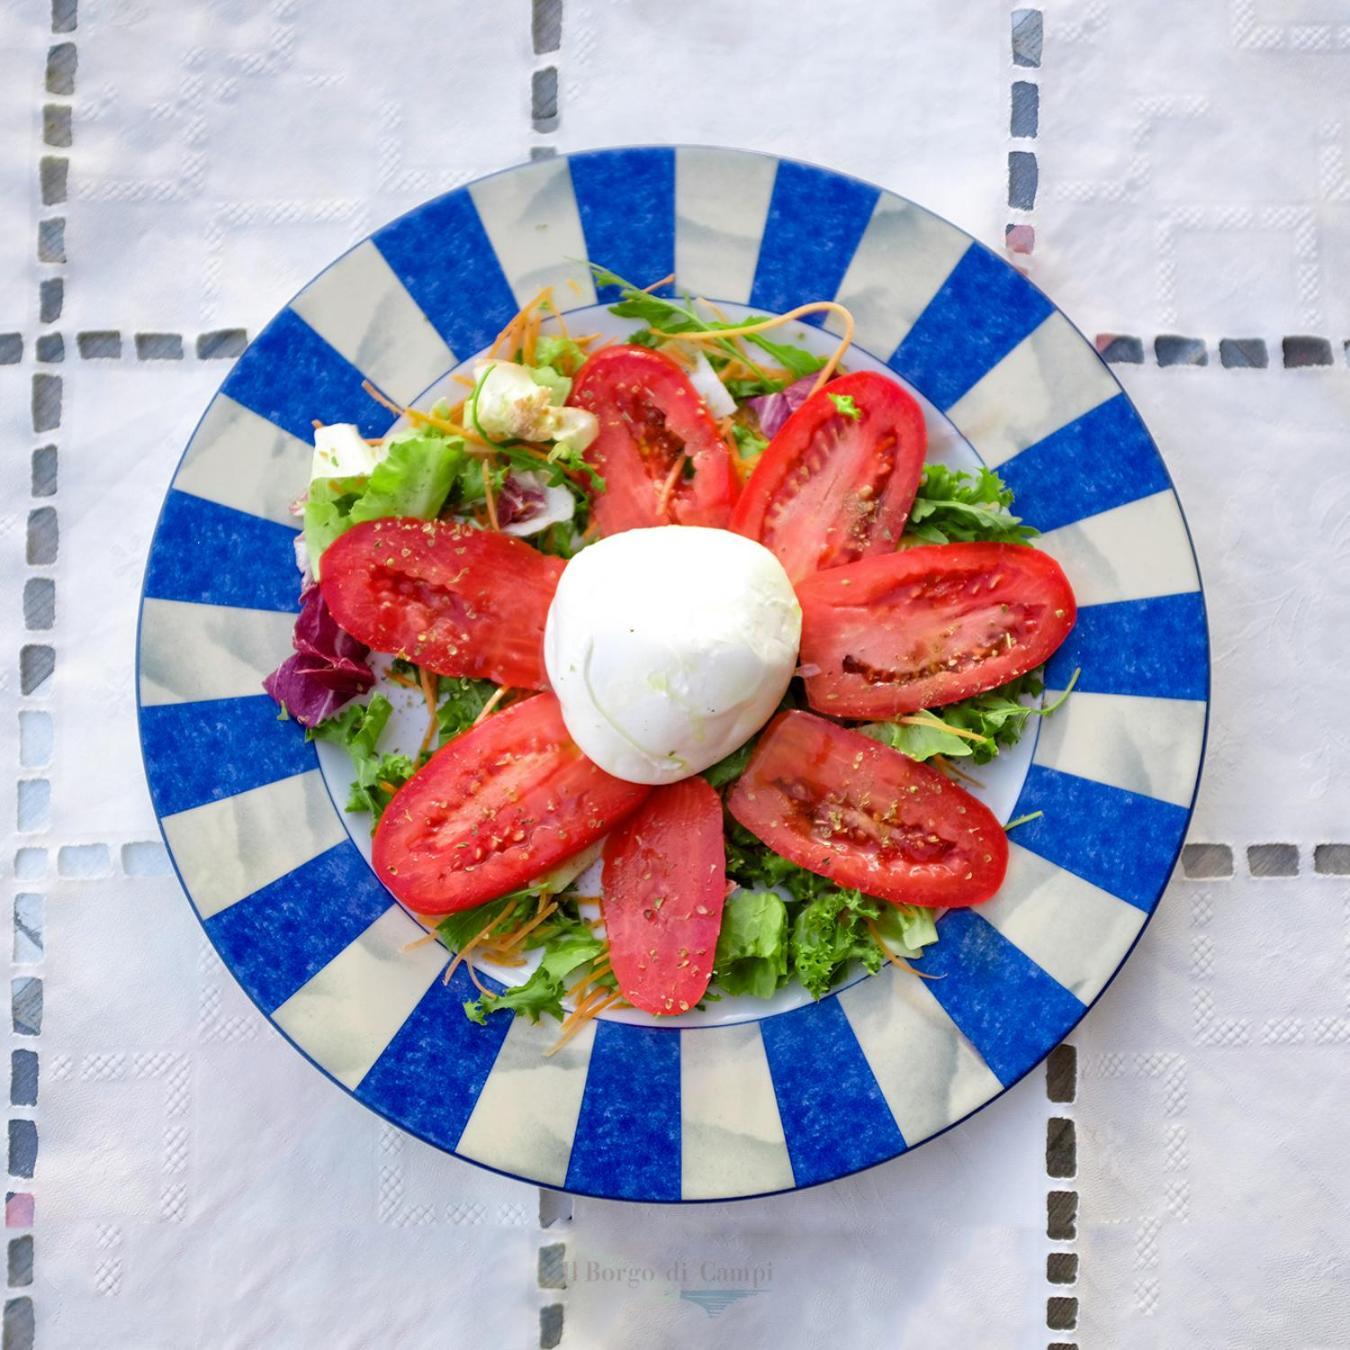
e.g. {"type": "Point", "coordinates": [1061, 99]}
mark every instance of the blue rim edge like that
{"type": "Point", "coordinates": [937, 1134]}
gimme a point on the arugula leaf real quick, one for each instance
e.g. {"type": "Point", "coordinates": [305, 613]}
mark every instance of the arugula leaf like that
{"type": "Point", "coordinates": [846, 407]}
{"type": "Point", "coordinates": [461, 699]}
{"type": "Point", "coordinates": [999, 716]}
{"type": "Point", "coordinates": [358, 728]}
{"type": "Point", "coordinates": [458, 928]}
{"type": "Point", "coordinates": [955, 506]}
{"type": "Point", "coordinates": [670, 318]}
{"type": "Point", "coordinates": [752, 947]}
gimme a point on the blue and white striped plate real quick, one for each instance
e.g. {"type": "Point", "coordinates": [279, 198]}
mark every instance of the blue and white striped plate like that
{"type": "Point", "coordinates": [641, 1112]}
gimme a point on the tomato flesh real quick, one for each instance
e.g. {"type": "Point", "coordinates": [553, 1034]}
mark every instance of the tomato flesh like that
{"type": "Point", "coordinates": [658, 449]}
{"type": "Point", "coordinates": [665, 882]}
{"type": "Point", "coordinates": [928, 626]}
{"type": "Point", "coordinates": [455, 599]}
{"type": "Point", "coordinates": [830, 487]}
{"type": "Point", "coordinates": [495, 808]}
{"type": "Point", "coordinates": [865, 816]}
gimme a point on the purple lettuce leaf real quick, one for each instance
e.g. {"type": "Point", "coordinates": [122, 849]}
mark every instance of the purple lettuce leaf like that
{"type": "Point", "coordinates": [773, 410]}
{"type": "Point", "coordinates": [328, 669]}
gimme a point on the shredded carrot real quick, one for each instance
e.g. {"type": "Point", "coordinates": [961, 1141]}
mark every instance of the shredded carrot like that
{"type": "Point", "coordinates": [463, 954]}
{"type": "Point", "coordinates": [394, 677]}
{"type": "Point", "coordinates": [490, 706]}
{"type": "Point", "coordinates": [429, 936]}
{"type": "Point", "coordinates": [489, 497]}
{"type": "Point", "coordinates": [519, 936]}
{"type": "Point", "coordinates": [465, 381]}
{"type": "Point", "coordinates": [891, 956]}
{"type": "Point", "coordinates": [815, 307]}
{"type": "Point", "coordinates": [579, 1019]}
{"type": "Point", "coordinates": [656, 285]}
{"type": "Point", "coordinates": [430, 692]}
{"type": "Point", "coordinates": [668, 487]}
{"type": "Point", "coordinates": [926, 719]}
{"type": "Point", "coordinates": [946, 766]}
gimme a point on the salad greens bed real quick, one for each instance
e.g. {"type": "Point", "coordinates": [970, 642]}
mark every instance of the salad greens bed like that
{"type": "Point", "coordinates": [782, 923]}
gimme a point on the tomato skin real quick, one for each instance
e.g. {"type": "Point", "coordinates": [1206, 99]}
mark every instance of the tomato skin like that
{"type": "Point", "coordinates": [453, 598]}
{"type": "Point", "coordinates": [664, 885]}
{"type": "Point", "coordinates": [495, 808]}
{"type": "Point", "coordinates": [884, 632]}
{"type": "Point", "coordinates": [830, 489]}
{"type": "Point", "coordinates": [865, 816]}
{"type": "Point", "coordinates": [649, 416]}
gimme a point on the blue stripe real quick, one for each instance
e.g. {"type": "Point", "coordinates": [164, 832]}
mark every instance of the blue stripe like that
{"type": "Point", "coordinates": [200, 752]}
{"type": "Point", "coordinates": [1103, 459]}
{"type": "Point", "coordinates": [1009, 1009]}
{"type": "Point", "coordinates": [980, 313]}
{"type": "Point", "coordinates": [1121, 841]}
{"type": "Point", "coordinates": [815, 221]}
{"type": "Point", "coordinates": [1157, 648]}
{"type": "Point", "coordinates": [215, 555]}
{"type": "Point", "coordinates": [432, 1073]}
{"type": "Point", "coordinates": [290, 376]}
{"type": "Point", "coordinates": [442, 254]}
{"type": "Point", "coordinates": [626, 200]}
{"type": "Point", "coordinates": [279, 937]}
{"type": "Point", "coordinates": [834, 1116]}
{"type": "Point", "coordinates": [627, 1143]}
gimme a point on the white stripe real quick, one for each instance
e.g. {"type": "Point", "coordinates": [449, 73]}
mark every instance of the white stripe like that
{"type": "Point", "coordinates": [242, 460]}
{"type": "Point", "coordinates": [525, 1119]}
{"type": "Point", "coordinates": [532, 221]}
{"type": "Point", "coordinates": [192, 652]}
{"type": "Point", "coordinates": [1047, 381]}
{"type": "Point", "coordinates": [721, 204]}
{"type": "Point", "coordinates": [362, 309]}
{"type": "Point", "coordinates": [1145, 745]}
{"type": "Point", "coordinates": [228, 849]}
{"type": "Point", "coordinates": [730, 1132]}
{"type": "Point", "coordinates": [1131, 552]}
{"type": "Point", "coordinates": [928, 1072]}
{"type": "Point", "coordinates": [901, 261]}
{"type": "Point", "coordinates": [346, 1015]}
{"type": "Point", "coordinates": [1070, 928]}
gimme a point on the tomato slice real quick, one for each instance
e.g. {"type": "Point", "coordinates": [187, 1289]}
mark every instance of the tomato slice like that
{"type": "Point", "coordinates": [866, 816]}
{"type": "Point", "coordinates": [455, 599]}
{"type": "Point", "coordinates": [665, 881]}
{"type": "Point", "coordinates": [658, 449]}
{"type": "Point", "coordinates": [830, 487]}
{"type": "Point", "coordinates": [929, 625]}
{"type": "Point", "coordinates": [495, 808]}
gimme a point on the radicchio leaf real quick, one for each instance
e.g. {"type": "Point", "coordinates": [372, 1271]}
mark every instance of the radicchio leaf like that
{"type": "Point", "coordinates": [328, 669]}
{"type": "Point", "coordinates": [773, 410]}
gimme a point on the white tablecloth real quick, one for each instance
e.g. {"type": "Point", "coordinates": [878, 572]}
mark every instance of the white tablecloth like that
{"type": "Point", "coordinates": [194, 1182]}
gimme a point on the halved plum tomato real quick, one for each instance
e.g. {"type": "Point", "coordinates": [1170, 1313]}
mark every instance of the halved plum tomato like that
{"type": "Point", "coordinates": [930, 625]}
{"type": "Point", "coordinates": [837, 481]}
{"type": "Point", "coordinates": [866, 816]}
{"type": "Point", "coordinates": [664, 881]}
{"type": "Point", "coordinates": [658, 449]}
{"type": "Point", "coordinates": [455, 599]}
{"type": "Point", "coordinates": [495, 808]}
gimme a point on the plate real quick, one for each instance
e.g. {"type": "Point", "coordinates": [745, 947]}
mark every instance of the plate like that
{"type": "Point", "coordinates": [755, 1099]}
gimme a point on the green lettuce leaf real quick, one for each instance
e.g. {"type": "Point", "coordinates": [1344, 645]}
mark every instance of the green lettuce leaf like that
{"type": "Point", "coordinates": [955, 506]}
{"type": "Point", "coordinates": [828, 933]}
{"type": "Point", "coordinates": [752, 948]}
{"type": "Point", "coordinates": [358, 728]}
{"type": "Point", "coordinates": [413, 479]}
